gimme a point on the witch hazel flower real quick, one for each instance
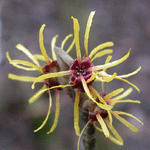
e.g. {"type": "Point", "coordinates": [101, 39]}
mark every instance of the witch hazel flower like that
{"type": "Point", "coordinates": [82, 70]}
{"type": "Point", "coordinates": [104, 117]}
{"type": "Point", "coordinates": [51, 66]}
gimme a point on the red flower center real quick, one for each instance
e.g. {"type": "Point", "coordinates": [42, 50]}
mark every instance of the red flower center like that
{"type": "Point", "coordinates": [103, 114]}
{"type": "Point", "coordinates": [80, 69]}
{"type": "Point", "coordinates": [51, 68]}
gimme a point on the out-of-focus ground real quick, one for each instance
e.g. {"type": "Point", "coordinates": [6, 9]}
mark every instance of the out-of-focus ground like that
{"type": "Point", "coordinates": [126, 23]}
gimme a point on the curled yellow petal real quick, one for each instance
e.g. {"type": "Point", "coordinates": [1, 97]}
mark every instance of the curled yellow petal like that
{"type": "Point", "coordinates": [115, 140]}
{"type": "Point", "coordinates": [125, 122]}
{"type": "Point", "coordinates": [24, 68]}
{"type": "Point", "coordinates": [37, 95]}
{"type": "Point", "coordinates": [130, 74]}
{"type": "Point", "coordinates": [41, 43]}
{"type": "Point", "coordinates": [53, 44]}
{"type": "Point", "coordinates": [24, 63]}
{"type": "Point", "coordinates": [95, 94]}
{"type": "Point", "coordinates": [71, 46]}
{"type": "Point", "coordinates": [97, 128]}
{"type": "Point", "coordinates": [50, 75]}
{"type": "Point", "coordinates": [76, 112]}
{"type": "Point", "coordinates": [127, 114]}
{"type": "Point", "coordinates": [82, 133]}
{"type": "Point", "coordinates": [56, 112]}
{"type": "Point", "coordinates": [107, 61]}
{"type": "Point", "coordinates": [119, 140]}
{"type": "Point", "coordinates": [127, 101]}
{"type": "Point", "coordinates": [100, 47]}
{"type": "Point", "coordinates": [102, 53]}
{"type": "Point", "coordinates": [40, 57]}
{"type": "Point", "coordinates": [55, 87]}
{"type": "Point", "coordinates": [17, 64]}
{"type": "Point", "coordinates": [28, 53]}
{"type": "Point", "coordinates": [103, 125]}
{"type": "Point", "coordinates": [113, 93]}
{"type": "Point", "coordinates": [94, 75]}
{"type": "Point", "coordinates": [48, 113]}
{"type": "Point", "coordinates": [111, 78]}
{"type": "Point", "coordinates": [65, 40]}
{"type": "Point", "coordinates": [111, 64]}
{"type": "Point", "coordinates": [21, 78]}
{"type": "Point", "coordinates": [103, 106]}
{"type": "Point", "coordinates": [129, 83]}
{"type": "Point", "coordinates": [125, 94]}
{"type": "Point", "coordinates": [87, 31]}
{"type": "Point", "coordinates": [76, 36]}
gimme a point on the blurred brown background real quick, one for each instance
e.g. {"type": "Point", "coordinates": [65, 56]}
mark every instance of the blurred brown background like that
{"type": "Point", "coordinates": [126, 23]}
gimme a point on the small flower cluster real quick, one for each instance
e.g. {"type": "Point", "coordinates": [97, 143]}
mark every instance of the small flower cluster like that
{"type": "Point", "coordinates": [82, 73]}
{"type": "Point", "coordinates": [51, 66]}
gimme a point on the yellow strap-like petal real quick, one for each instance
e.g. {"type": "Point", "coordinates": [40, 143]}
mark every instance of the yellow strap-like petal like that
{"type": "Point", "coordinates": [129, 83]}
{"type": "Point", "coordinates": [110, 136]}
{"type": "Point", "coordinates": [127, 101]}
{"type": "Point", "coordinates": [115, 140]}
{"type": "Point", "coordinates": [71, 46]}
{"type": "Point", "coordinates": [22, 62]}
{"type": "Point", "coordinates": [50, 75]}
{"type": "Point", "coordinates": [65, 40]}
{"type": "Point", "coordinates": [48, 113]}
{"type": "Point", "coordinates": [125, 122]}
{"type": "Point", "coordinates": [103, 125]}
{"type": "Point", "coordinates": [82, 133]}
{"type": "Point", "coordinates": [113, 93]}
{"type": "Point", "coordinates": [76, 112]}
{"type": "Point", "coordinates": [127, 114]}
{"type": "Point", "coordinates": [95, 94]}
{"type": "Point", "coordinates": [130, 74]}
{"type": "Point", "coordinates": [40, 57]}
{"type": "Point", "coordinates": [28, 53]}
{"type": "Point", "coordinates": [41, 43]}
{"type": "Point", "coordinates": [24, 68]}
{"type": "Point", "coordinates": [103, 106]}
{"type": "Point", "coordinates": [25, 63]}
{"type": "Point", "coordinates": [111, 78]}
{"type": "Point", "coordinates": [125, 94]}
{"type": "Point", "coordinates": [99, 79]}
{"type": "Point", "coordinates": [102, 76]}
{"type": "Point", "coordinates": [94, 75]}
{"type": "Point", "coordinates": [87, 31]}
{"type": "Point", "coordinates": [97, 128]}
{"type": "Point", "coordinates": [56, 112]}
{"type": "Point", "coordinates": [111, 64]}
{"type": "Point", "coordinates": [76, 36]}
{"type": "Point", "coordinates": [37, 95]}
{"type": "Point", "coordinates": [55, 87]}
{"type": "Point", "coordinates": [53, 44]}
{"type": "Point", "coordinates": [102, 53]}
{"type": "Point", "coordinates": [21, 78]}
{"type": "Point", "coordinates": [107, 61]}
{"type": "Point", "coordinates": [100, 47]}
{"type": "Point", "coordinates": [115, 133]}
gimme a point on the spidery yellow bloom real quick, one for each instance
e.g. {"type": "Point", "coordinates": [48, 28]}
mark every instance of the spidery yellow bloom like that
{"type": "Point", "coordinates": [104, 117]}
{"type": "Point", "coordinates": [50, 67]}
{"type": "Point", "coordinates": [82, 71]}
